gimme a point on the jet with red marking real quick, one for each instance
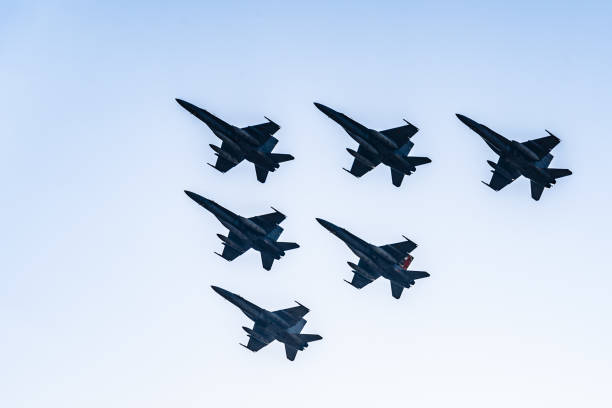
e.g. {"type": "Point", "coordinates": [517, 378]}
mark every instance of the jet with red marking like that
{"type": "Point", "coordinates": [390, 146]}
{"type": "Point", "coordinates": [389, 261]}
{"type": "Point", "coordinates": [253, 143]}
{"type": "Point", "coordinates": [260, 233]}
{"type": "Point", "coordinates": [529, 159]}
{"type": "Point", "coordinates": [283, 325]}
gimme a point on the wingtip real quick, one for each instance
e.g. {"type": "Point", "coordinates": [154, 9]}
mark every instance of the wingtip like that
{"type": "Point", "coordinates": [216, 253]}
{"type": "Point", "coordinates": [350, 283]}
{"type": "Point", "coordinates": [408, 239]}
{"type": "Point", "coordinates": [301, 305]}
{"type": "Point", "coordinates": [349, 172]}
{"type": "Point", "coordinates": [410, 124]}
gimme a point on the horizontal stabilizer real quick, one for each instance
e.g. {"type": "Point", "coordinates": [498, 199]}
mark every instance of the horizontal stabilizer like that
{"type": "Point", "coordinates": [396, 177]}
{"type": "Point", "coordinates": [309, 337]}
{"type": "Point", "coordinates": [396, 290]}
{"type": "Point", "coordinates": [558, 173]}
{"type": "Point", "coordinates": [286, 246]}
{"type": "Point", "coordinates": [267, 260]}
{"type": "Point", "coordinates": [536, 190]}
{"type": "Point", "coordinates": [417, 161]}
{"type": "Point", "coordinates": [280, 157]}
{"type": "Point", "coordinates": [261, 173]}
{"type": "Point", "coordinates": [290, 352]}
{"type": "Point", "coordinates": [419, 274]}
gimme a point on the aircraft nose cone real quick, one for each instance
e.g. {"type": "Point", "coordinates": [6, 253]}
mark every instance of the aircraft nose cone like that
{"type": "Point", "coordinates": [461, 117]}
{"type": "Point", "coordinates": [196, 111]}
{"type": "Point", "coordinates": [326, 224]}
{"type": "Point", "coordinates": [328, 111]}
{"type": "Point", "coordinates": [225, 293]}
{"type": "Point", "coordinates": [466, 121]}
{"type": "Point", "coordinates": [185, 104]}
{"type": "Point", "coordinates": [199, 199]}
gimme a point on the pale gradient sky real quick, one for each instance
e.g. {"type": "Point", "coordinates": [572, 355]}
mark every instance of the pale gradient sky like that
{"type": "Point", "coordinates": [105, 296]}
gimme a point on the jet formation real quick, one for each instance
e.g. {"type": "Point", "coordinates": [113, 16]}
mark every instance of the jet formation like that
{"type": "Point", "coordinates": [283, 325]}
{"type": "Point", "coordinates": [389, 261]}
{"type": "Point", "coordinates": [260, 233]}
{"type": "Point", "coordinates": [390, 147]}
{"type": "Point", "coordinates": [253, 143]}
{"type": "Point", "coordinates": [530, 159]}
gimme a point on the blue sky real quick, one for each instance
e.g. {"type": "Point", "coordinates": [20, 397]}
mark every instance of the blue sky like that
{"type": "Point", "coordinates": [105, 295]}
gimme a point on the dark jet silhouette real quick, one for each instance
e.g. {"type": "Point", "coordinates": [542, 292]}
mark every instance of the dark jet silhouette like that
{"type": "Point", "coordinates": [389, 261]}
{"type": "Point", "coordinates": [260, 233]}
{"type": "Point", "coordinates": [283, 325]}
{"type": "Point", "coordinates": [390, 147]}
{"type": "Point", "coordinates": [253, 143]}
{"type": "Point", "coordinates": [530, 159]}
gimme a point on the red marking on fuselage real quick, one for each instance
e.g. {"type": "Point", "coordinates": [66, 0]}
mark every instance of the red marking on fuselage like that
{"type": "Point", "coordinates": [407, 261]}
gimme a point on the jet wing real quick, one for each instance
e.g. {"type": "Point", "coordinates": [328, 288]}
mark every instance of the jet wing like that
{"type": "Point", "coordinates": [269, 221]}
{"type": "Point", "coordinates": [222, 163]}
{"type": "Point", "coordinates": [231, 252]}
{"type": "Point", "coordinates": [262, 340]}
{"type": "Point", "coordinates": [359, 281]}
{"type": "Point", "coordinates": [359, 167]}
{"type": "Point", "coordinates": [268, 145]}
{"type": "Point", "coordinates": [290, 352]}
{"type": "Point", "coordinates": [263, 131]}
{"type": "Point", "coordinates": [402, 134]}
{"type": "Point", "coordinates": [293, 314]}
{"type": "Point", "coordinates": [502, 176]}
{"type": "Point", "coordinates": [396, 177]}
{"type": "Point", "coordinates": [542, 146]}
{"type": "Point", "coordinates": [267, 260]}
{"type": "Point", "coordinates": [536, 190]}
{"type": "Point", "coordinates": [261, 173]}
{"type": "Point", "coordinates": [396, 290]}
{"type": "Point", "coordinates": [400, 249]}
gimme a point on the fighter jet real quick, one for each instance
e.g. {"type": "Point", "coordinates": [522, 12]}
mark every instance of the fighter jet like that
{"type": "Point", "coordinates": [530, 159]}
{"type": "Point", "coordinates": [283, 325]}
{"type": "Point", "coordinates": [260, 233]}
{"type": "Point", "coordinates": [253, 143]}
{"type": "Point", "coordinates": [390, 147]}
{"type": "Point", "coordinates": [389, 261]}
